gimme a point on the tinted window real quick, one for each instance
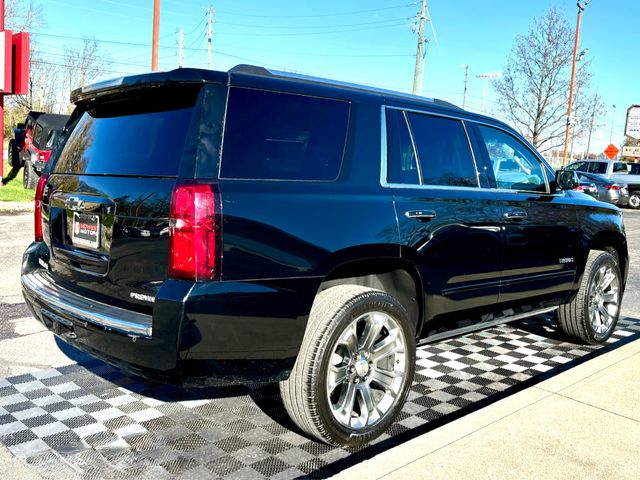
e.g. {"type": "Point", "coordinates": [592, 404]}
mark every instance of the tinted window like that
{"type": "Point", "coordinates": [514, 166]}
{"type": "Point", "coordinates": [129, 137]}
{"type": "Point", "coordinates": [401, 159]}
{"type": "Point", "coordinates": [581, 166]}
{"type": "Point", "coordinates": [443, 149]}
{"type": "Point", "coordinates": [619, 167]}
{"type": "Point", "coordinates": [634, 169]}
{"type": "Point", "coordinates": [597, 167]}
{"type": "Point", "coordinates": [280, 136]}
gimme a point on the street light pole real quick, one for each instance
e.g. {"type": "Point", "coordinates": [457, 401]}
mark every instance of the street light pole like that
{"type": "Point", "coordinates": [484, 77]}
{"type": "Point", "coordinates": [613, 117]}
{"type": "Point", "coordinates": [581, 7]}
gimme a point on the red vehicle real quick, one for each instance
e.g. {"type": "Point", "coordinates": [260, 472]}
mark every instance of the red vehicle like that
{"type": "Point", "coordinates": [33, 142]}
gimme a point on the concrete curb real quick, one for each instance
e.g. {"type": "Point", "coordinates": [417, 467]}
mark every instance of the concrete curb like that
{"type": "Point", "coordinates": [15, 207]}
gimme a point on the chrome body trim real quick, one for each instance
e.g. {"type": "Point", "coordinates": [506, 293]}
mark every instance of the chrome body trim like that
{"type": "Point", "coordinates": [39, 285]}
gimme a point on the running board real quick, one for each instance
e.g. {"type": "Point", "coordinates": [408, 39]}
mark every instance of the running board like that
{"type": "Point", "coordinates": [481, 326]}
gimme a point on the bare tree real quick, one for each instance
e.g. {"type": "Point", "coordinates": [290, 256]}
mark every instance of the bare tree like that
{"type": "Point", "coordinates": [83, 64]}
{"type": "Point", "coordinates": [534, 89]}
{"type": "Point", "coordinates": [21, 16]}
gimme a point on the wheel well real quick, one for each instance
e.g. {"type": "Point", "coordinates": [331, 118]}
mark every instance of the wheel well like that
{"type": "Point", "coordinates": [399, 279]}
{"type": "Point", "coordinates": [614, 246]}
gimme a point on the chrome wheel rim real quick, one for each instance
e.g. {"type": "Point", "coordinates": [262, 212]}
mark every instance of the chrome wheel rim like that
{"type": "Point", "coordinates": [634, 201]}
{"type": "Point", "coordinates": [366, 370]}
{"type": "Point", "coordinates": [604, 300]}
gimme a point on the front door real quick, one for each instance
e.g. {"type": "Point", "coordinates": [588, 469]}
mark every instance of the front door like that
{"type": "Point", "coordinates": [540, 227]}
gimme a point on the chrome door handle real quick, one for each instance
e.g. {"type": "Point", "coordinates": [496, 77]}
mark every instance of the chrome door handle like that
{"type": "Point", "coordinates": [420, 215]}
{"type": "Point", "coordinates": [515, 215]}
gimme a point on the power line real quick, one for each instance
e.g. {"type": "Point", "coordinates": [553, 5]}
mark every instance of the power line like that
{"type": "Point", "coordinates": [320, 14]}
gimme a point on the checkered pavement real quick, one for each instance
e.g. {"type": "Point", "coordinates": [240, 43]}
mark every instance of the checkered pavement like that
{"type": "Point", "coordinates": [92, 420]}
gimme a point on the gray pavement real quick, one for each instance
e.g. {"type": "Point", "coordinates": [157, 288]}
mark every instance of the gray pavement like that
{"type": "Point", "coordinates": [583, 423]}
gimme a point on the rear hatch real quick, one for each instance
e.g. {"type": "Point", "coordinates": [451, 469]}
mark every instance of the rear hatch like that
{"type": "Point", "coordinates": [107, 218]}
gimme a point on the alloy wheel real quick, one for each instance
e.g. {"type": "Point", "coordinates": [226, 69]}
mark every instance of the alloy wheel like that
{"type": "Point", "coordinates": [366, 370]}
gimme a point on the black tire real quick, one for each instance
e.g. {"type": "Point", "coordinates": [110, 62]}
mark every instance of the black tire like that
{"type": "Point", "coordinates": [634, 200]}
{"type": "Point", "coordinates": [305, 393]}
{"type": "Point", "coordinates": [13, 154]}
{"type": "Point", "coordinates": [582, 318]}
{"type": "Point", "coordinates": [29, 177]}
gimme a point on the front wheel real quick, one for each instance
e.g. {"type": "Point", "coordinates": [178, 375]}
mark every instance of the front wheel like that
{"type": "Point", "coordinates": [634, 199]}
{"type": "Point", "coordinates": [354, 368]}
{"type": "Point", "coordinates": [593, 313]}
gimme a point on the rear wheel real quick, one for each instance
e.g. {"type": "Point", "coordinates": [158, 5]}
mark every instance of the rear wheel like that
{"type": "Point", "coordinates": [355, 366]}
{"type": "Point", "coordinates": [13, 154]}
{"type": "Point", "coordinates": [593, 314]}
{"type": "Point", "coordinates": [634, 199]}
{"type": "Point", "coordinates": [29, 177]}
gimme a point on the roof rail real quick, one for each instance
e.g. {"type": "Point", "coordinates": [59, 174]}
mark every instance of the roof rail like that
{"type": "Point", "coordinates": [262, 71]}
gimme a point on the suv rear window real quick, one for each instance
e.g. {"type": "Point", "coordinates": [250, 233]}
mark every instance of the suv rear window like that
{"type": "Point", "coordinates": [282, 136]}
{"type": "Point", "coordinates": [131, 136]}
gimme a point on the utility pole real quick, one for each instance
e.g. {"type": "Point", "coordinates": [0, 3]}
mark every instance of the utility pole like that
{"type": "Point", "coordinates": [180, 47]}
{"type": "Point", "coordinates": [466, 78]}
{"type": "Point", "coordinates": [209, 35]}
{"type": "Point", "coordinates": [156, 35]}
{"type": "Point", "coordinates": [418, 66]}
{"type": "Point", "coordinates": [581, 7]}
{"type": "Point", "coordinates": [593, 119]}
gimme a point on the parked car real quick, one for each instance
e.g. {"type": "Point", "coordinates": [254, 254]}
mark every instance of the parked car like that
{"type": "Point", "coordinates": [606, 168]}
{"type": "Point", "coordinates": [604, 189]}
{"type": "Point", "coordinates": [619, 172]}
{"type": "Point", "coordinates": [39, 144]}
{"type": "Point", "coordinates": [308, 232]}
{"type": "Point", "coordinates": [632, 179]}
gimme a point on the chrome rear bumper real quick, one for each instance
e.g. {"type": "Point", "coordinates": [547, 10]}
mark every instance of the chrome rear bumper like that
{"type": "Point", "coordinates": [41, 287]}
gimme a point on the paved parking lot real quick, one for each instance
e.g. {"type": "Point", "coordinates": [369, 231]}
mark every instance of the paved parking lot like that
{"type": "Point", "coordinates": [67, 416]}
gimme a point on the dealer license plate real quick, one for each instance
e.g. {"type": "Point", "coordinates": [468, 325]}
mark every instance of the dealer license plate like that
{"type": "Point", "coordinates": [86, 230]}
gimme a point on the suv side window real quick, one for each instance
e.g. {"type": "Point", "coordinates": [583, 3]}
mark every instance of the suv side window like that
{"type": "Point", "coordinates": [620, 167]}
{"type": "Point", "coordinates": [514, 166]}
{"type": "Point", "coordinates": [402, 165]}
{"type": "Point", "coordinates": [283, 136]}
{"type": "Point", "coordinates": [443, 151]}
{"type": "Point", "coordinates": [579, 166]}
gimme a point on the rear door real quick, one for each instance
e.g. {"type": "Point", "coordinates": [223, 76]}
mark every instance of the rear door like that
{"type": "Point", "coordinates": [540, 227]}
{"type": "Point", "coordinates": [109, 195]}
{"type": "Point", "coordinates": [449, 226]}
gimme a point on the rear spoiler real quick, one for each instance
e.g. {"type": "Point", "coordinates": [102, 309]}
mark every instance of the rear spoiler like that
{"type": "Point", "coordinates": [180, 76]}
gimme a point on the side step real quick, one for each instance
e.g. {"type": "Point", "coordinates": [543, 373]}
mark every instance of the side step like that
{"type": "Point", "coordinates": [482, 325]}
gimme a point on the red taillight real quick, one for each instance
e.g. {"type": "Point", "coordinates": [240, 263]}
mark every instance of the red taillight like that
{"type": "Point", "coordinates": [193, 231]}
{"type": "Point", "coordinates": [579, 188]}
{"type": "Point", "coordinates": [612, 187]}
{"type": "Point", "coordinates": [37, 212]}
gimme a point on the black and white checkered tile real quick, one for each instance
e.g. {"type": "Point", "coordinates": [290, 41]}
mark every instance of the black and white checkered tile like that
{"type": "Point", "coordinates": [91, 420]}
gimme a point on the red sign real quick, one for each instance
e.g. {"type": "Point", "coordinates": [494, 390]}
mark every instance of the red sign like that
{"type": "Point", "coordinates": [20, 63]}
{"type": "Point", "coordinates": [611, 151]}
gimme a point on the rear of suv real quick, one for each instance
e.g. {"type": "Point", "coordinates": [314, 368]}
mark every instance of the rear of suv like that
{"type": "Point", "coordinates": [202, 227]}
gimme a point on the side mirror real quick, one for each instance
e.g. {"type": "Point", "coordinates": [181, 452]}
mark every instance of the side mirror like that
{"type": "Point", "coordinates": [566, 180]}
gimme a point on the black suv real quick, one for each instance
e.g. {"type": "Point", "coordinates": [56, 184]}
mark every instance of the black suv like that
{"type": "Point", "coordinates": [199, 227]}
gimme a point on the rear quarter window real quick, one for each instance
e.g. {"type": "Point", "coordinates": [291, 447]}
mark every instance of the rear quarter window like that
{"type": "Point", "coordinates": [282, 136]}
